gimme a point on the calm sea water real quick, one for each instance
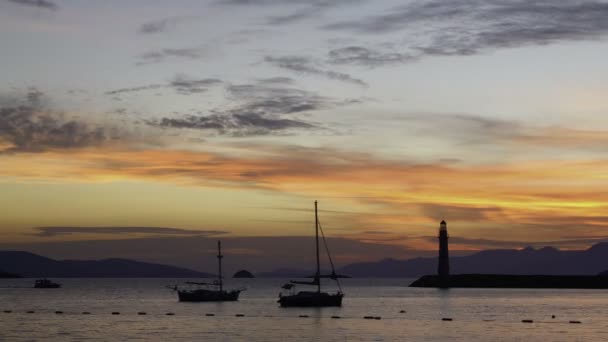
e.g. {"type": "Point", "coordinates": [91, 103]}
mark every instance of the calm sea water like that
{"type": "Point", "coordinates": [478, 314]}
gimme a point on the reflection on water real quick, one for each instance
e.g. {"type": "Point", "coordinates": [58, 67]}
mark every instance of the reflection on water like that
{"type": "Point", "coordinates": [478, 314]}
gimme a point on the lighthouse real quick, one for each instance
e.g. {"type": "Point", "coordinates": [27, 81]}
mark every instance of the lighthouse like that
{"type": "Point", "coordinates": [443, 268]}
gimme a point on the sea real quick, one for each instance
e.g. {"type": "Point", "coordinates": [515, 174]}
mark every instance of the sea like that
{"type": "Point", "coordinates": [373, 310]}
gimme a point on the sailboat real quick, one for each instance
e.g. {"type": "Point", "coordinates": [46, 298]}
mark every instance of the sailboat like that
{"type": "Point", "coordinates": [313, 298]}
{"type": "Point", "coordinates": [208, 292]}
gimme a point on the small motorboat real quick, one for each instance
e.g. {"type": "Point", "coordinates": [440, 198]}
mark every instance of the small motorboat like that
{"type": "Point", "coordinates": [46, 284]}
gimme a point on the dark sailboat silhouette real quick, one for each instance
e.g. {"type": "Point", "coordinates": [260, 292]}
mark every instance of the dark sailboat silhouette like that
{"type": "Point", "coordinates": [313, 298]}
{"type": "Point", "coordinates": [208, 292]}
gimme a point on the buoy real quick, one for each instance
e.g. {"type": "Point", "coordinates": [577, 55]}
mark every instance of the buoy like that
{"type": "Point", "coordinates": [575, 322]}
{"type": "Point", "coordinates": [402, 311]}
{"type": "Point", "coordinates": [7, 311]}
{"type": "Point", "coordinates": [86, 313]}
{"type": "Point", "coordinates": [303, 316]}
{"type": "Point", "coordinates": [239, 315]}
{"type": "Point", "coordinates": [368, 317]}
{"type": "Point", "coordinates": [447, 319]}
{"type": "Point", "coordinates": [170, 314]}
{"type": "Point", "coordinates": [59, 312]}
{"type": "Point", "coordinates": [209, 314]}
{"type": "Point", "coordinates": [115, 313]}
{"type": "Point", "coordinates": [141, 313]}
{"type": "Point", "coordinates": [335, 317]}
{"type": "Point", "coordinates": [527, 321]}
{"type": "Point", "coordinates": [30, 312]}
{"type": "Point", "coordinates": [377, 318]}
{"type": "Point", "coordinates": [553, 316]}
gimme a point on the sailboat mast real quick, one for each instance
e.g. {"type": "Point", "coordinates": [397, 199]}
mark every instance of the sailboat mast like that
{"type": "Point", "coordinates": [318, 274]}
{"type": "Point", "coordinates": [219, 262]}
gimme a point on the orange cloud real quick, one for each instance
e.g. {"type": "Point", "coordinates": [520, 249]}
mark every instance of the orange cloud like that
{"type": "Point", "coordinates": [532, 200]}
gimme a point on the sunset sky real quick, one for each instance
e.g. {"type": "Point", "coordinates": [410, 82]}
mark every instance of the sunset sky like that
{"type": "Point", "coordinates": [135, 128]}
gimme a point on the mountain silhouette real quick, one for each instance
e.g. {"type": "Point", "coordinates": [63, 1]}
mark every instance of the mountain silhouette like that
{"type": "Point", "coordinates": [543, 261]}
{"type": "Point", "coordinates": [31, 266]}
{"type": "Point", "coordinates": [8, 275]}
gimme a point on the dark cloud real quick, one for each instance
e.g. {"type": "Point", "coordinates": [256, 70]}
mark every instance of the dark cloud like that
{"type": "Point", "coordinates": [30, 127]}
{"type": "Point", "coordinates": [134, 89]}
{"type": "Point", "coordinates": [305, 65]}
{"type": "Point", "coordinates": [467, 27]}
{"type": "Point", "coordinates": [312, 9]}
{"type": "Point", "coordinates": [459, 213]}
{"type": "Point", "coordinates": [266, 109]}
{"type": "Point", "coordinates": [37, 3]}
{"type": "Point", "coordinates": [162, 55]}
{"type": "Point", "coordinates": [55, 231]}
{"type": "Point", "coordinates": [366, 56]}
{"type": "Point", "coordinates": [235, 123]}
{"type": "Point", "coordinates": [181, 83]}
{"type": "Point", "coordinates": [184, 84]}
{"type": "Point", "coordinates": [161, 25]}
{"type": "Point", "coordinates": [277, 80]}
{"type": "Point", "coordinates": [306, 9]}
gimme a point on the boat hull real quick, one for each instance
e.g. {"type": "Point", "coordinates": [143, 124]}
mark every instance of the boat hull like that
{"type": "Point", "coordinates": [311, 299]}
{"type": "Point", "coordinates": [208, 296]}
{"type": "Point", "coordinates": [55, 286]}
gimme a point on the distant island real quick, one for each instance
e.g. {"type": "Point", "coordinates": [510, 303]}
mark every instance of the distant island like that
{"type": "Point", "coordinates": [30, 265]}
{"type": "Point", "coordinates": [243, 274]}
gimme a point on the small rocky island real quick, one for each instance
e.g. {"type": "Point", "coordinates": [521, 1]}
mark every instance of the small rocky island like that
{"type": "Point", "coordinates": [243, 274]}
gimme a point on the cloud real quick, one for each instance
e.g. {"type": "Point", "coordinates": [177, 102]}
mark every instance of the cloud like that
{"type": "Point", "coordinates": [45, 4]}
{"type": "Point", "coordinates": [181, 83]}
{"type": "Point", "coordinates": [267, 107]}
{"type": "Point", "coordinates": [458, 212]}
{"type": "Point", "coordinates": [467, 27]}
{"type": "Point", "coordinates": [55, 231]}
{"type": "Point", "coordinates": [185, 84]}
{"type": "Point", "coordinates": [30, 127]}
{"type": "Point", "coordinates": [305, 65]}
{"type": "Point", "coordinates": [162, 25]}
{"type": "Point", "coordinates": [306, 9]}
{"type": "Point", "coordinates": [314, 9]}
{"type": "Point", "coordinates": [159, 56]}
{"type": "Point", "coordinates": [366, 56]}
{"type": "Point", "coordinates": [134, 89]}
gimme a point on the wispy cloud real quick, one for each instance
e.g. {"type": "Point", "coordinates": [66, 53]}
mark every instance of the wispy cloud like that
{"type": "Point", "coordinates": [31, 127]}
{"type": "Point", "coordinates": [56, 231]}
{"type": "Point", "coordinates": [368, 56]}
{"type": "Point", "coordinates": [162, 25]}
{"type": "Point", "coordinates": [304, 9]}
{"type": "Point", "coordinates": [45, 4]}
{"type": "Point", "coordinates": [467, 27]}
{"type": "Point", "coordinates": [181, 83]}
{"type": "Point", "coordinates": [305, 65]}
{"type": "Point", "coordinates": [267, 107]}
{"type": "Point", "coordinates": [159, 56]}
{"type": "Point", "coordinates": [185, 84]}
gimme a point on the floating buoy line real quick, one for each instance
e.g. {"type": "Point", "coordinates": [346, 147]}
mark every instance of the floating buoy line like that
{"type": "Point", "coordinates": [209, 314]}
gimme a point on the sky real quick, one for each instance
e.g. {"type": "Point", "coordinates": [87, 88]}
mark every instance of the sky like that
{"type": "Point", "coordinates": [150, 129]}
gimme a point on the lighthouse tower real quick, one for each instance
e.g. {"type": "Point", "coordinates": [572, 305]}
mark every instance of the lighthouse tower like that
{"type": "Point", "coordinates": [444, 260]}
